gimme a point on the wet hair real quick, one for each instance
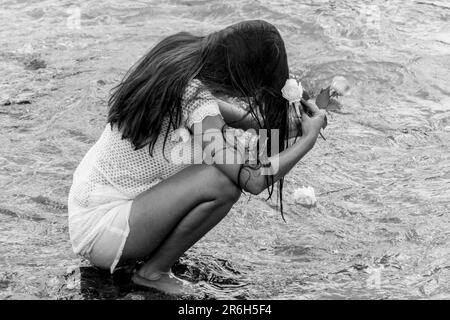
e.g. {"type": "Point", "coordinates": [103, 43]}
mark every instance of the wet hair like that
{"type": "Point", "coordinates": [246, 60]}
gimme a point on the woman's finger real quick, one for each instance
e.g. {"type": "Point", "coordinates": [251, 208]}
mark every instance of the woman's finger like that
{"type": "Point", "coordinates": [303, 114]}
{"type": "Point", "coordinates": [311, 107]}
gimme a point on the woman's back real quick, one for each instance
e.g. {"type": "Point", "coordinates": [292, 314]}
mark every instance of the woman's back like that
{"type": "Point", "coordinates": [113, 171]}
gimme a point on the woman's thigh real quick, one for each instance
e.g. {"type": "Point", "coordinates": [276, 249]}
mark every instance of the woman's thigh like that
{"type": "Point", "coordinates": [157, 211]}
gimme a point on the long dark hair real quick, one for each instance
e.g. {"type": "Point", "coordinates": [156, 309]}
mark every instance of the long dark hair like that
{"type": "Point", "coordinates": [246, 60]}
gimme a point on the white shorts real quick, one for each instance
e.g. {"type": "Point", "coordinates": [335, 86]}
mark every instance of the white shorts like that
{"type": "Point", "coordinates": [107, 247]}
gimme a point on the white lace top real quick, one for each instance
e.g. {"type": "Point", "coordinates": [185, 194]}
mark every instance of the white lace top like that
{"type": "Point", "coordinates": [113, 172]}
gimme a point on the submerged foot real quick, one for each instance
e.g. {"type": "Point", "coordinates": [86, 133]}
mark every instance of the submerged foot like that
{"type": "Point", "coordinates": [164, 282]}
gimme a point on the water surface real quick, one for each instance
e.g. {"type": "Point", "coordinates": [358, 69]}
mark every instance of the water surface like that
{"type": "Point", "coordinates": [381, 228]}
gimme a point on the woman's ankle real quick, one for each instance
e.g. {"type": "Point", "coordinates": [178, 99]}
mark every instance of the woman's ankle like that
{"type": "Point", "coordinates": [152, 273]}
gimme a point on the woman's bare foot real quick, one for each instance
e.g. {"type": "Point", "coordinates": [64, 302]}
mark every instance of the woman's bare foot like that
{"type": "Point", "coordinates": [164, 282]}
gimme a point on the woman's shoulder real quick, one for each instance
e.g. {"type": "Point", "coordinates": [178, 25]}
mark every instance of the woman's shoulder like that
{"type": "Point", "coordinates": [195, 89]}
{"type": "Point", "coordinates": [198, 103]}
{"type": "Point", "coordinates": [195, 84]}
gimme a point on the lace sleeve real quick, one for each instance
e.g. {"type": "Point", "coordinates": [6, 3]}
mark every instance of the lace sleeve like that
{"type": "Point", "coordinates": [198, 103]}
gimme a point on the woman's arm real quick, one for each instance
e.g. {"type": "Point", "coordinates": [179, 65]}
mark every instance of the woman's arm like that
{"type": "Point", "coordinates": [236, 116]}
{"type": "Point", "coordinates": [255, 179]}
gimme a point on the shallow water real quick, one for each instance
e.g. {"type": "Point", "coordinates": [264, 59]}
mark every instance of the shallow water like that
{"type": "Point", "coordinates": [381, 228]}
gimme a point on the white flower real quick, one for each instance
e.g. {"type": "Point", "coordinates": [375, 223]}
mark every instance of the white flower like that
{"type": "Point", "coordinates": [180, 133]}
{"type": "Point", "coordinates": [339, 86]}
{"type": "Point", "coordinates": [305, 196]}
{"type": "Point", "coordinates": [292, 91]}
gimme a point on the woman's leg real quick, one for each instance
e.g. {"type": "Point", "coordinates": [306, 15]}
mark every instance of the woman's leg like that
{"type": "Point", "coordinates": [169, 218]}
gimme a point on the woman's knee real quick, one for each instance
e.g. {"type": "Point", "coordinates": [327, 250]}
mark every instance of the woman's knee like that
{"type": "Point", "coordinates": [221, 186]}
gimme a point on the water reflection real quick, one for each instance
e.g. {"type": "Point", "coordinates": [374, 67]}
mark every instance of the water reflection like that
{"type": "Point", "coordinates": [382, 177]}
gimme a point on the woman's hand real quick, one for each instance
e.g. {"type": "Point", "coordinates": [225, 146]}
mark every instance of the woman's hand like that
{"type": "Point", "coordinates": [251, 177]}
{"type": "Point", "coordinates": [313, 119]}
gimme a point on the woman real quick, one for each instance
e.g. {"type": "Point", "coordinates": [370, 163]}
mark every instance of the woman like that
{"type": "Point", "coordinates": [131, 200]}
